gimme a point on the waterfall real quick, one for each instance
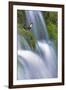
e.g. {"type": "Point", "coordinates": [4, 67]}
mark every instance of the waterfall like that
{"type": "Point", "coordinates": [41, 63]}
{"type": "Point", "coordinates": [22, 43]}
{"type": "Point", "coordinates": [39, 27]}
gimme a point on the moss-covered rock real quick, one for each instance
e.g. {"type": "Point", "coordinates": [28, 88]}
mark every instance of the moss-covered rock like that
{"type": "Point", "coordinates": [28, 35]}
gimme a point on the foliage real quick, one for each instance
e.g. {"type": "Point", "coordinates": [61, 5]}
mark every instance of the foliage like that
{"type": "Point", "coordinates": [28, 35]}
{"type": "Point", "coordinates": [20, 17]}
{"type": "Point", "coordinates": [51, 22]}
{"type": "Point", "coordinates": [25, 33]}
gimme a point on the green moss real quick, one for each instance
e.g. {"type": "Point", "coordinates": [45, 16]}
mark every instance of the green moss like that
{"type": "Point", "coordinates": [51, 23]}
{"type": "Point", "coordinates": [28, 35]}
{"type": "Point", "coordinates": [52, 32]}
{"type": "Point", "coordinates": [21, 17]}
{"type": "Point", "coordinates": [23, 32]}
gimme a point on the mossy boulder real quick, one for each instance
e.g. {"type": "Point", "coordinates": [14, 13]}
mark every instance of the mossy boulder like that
{"type": "Point", "coordinates": [28, 35]}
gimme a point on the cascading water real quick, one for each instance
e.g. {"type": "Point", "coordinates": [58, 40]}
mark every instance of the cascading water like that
{"type": "Point", "coordinates": [39, 28]}
{"type": "Point", "coordinates": [43, 62]}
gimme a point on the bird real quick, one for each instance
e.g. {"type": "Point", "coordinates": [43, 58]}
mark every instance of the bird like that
{"type": "Point", "coordinates": [28, 27]}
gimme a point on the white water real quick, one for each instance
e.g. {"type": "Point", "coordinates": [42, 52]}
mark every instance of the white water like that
{"type": "Point", "coordinates": [39, 27]}
{"type": "Point", "coordinates": [43, 62]}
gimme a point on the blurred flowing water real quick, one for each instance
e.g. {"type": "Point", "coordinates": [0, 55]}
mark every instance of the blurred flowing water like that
{"type": "Point", "coordinates": [43, 62]}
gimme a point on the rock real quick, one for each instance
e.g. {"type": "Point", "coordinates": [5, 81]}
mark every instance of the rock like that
{"type": "Point", "coordinates": [28, 35]}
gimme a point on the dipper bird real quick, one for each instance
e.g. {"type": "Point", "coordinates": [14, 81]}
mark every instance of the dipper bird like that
{"type": "Point", "coordinates": [28, 27]}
